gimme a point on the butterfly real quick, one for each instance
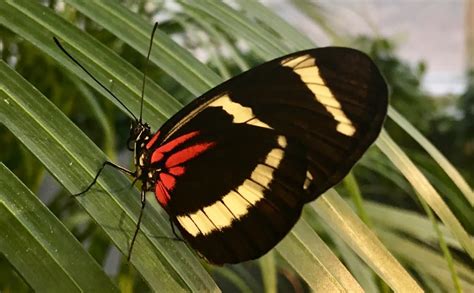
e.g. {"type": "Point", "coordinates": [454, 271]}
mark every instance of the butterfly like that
{"type": "Point", "coordinates": [234, 168]}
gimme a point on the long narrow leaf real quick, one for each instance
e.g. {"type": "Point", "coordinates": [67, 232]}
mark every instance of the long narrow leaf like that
{"type": "Point", "coordinates": [315, 262]}
{"type": "Point", "coordinates": [339, 216]}
{"type": "Point", "coordinates": [135, 31]}
{"type": "Point", "coordinates": [361, 271]}
{"type": "Point", "coordinates": [428, 260]}
{"type": "Point", "coordinates": [298, 40]}
{"type": "Point", "coordinates": [434, 153]}
{"type": "Point", "coordinates": [268, 45]}
{"type": "Point", "coordinates": [425, 190]}
{"type": "Point", "coordinates": [408, 222]}
{"type": "Point", "coordinates": [38, 245]}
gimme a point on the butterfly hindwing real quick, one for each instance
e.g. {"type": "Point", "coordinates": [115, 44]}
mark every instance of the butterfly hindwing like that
{"type": "Point", "coordinates": [234, 192]}
{"type": "Point", "coordinates": [237, 165]}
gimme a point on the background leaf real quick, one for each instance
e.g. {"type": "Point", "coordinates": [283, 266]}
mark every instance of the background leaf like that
{"type": "Point", "coordinates": [40, 247]}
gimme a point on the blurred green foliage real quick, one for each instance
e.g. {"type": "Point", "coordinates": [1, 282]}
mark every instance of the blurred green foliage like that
{"type": "Point", "coordinates": [453, 132]}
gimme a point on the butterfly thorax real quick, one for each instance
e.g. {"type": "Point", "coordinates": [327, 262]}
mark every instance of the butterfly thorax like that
{"type": "Point", "coordinates": [140, 135]}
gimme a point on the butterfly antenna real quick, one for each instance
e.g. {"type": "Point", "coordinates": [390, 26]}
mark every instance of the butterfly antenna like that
{"type": "Point", "coordinates": [91, 76]}
{"type": "Point", "coordinates": [145, 68]}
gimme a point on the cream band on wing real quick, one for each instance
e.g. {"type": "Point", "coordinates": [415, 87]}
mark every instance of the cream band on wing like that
{"type": "Point", "coordinates": [305, 66]}
{"type": "Point", "coordinates": [240, 114]}
{"type": "Point", "coordinates": [308, 180]}
{"type": "Point", "coordinates": [236, 204]}
{"type": "Point", "coordinates": [221, 214]}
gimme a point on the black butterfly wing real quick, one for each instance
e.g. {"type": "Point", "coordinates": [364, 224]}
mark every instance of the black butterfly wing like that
{"type": "Point", "coordinates": [238, 164]}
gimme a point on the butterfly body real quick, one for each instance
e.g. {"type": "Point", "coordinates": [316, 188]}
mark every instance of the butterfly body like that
{"type": "Point", "coordinates": [235, 167]}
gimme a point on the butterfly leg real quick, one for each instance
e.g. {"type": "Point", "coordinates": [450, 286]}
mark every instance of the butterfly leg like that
{"type": "Point", "coordinates": [135, 181]}
{"type": "Point", "coordinates": [174, 232]}
{"type": "Point", "coordinates": [143, 200]}
{"type": "Point", "coordinates": [106, 163]}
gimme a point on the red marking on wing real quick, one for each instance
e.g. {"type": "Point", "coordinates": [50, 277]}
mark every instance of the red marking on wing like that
{"type": "Point", "coordinates": [156, 156]}
{"type": "Point", "coordinates": [177, 141]}
{"type": "Point", "coordinates": [162, 194]}
{"type": "Point", "coordinates": [176, 171]}
{"type": "Point", "coordinates": [187, 154]}
{"type": "Point", "coordinates": [168, 181]}
{"type": "Point", "coordinates": [152, 140]}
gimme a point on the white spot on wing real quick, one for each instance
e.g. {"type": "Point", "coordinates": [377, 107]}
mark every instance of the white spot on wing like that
{"type": "Point", "coordinates": [310, 75]}
{"type": "Point", "coordinates": [258, 123]}
{"type": "Point", "coordinates": [202, 222]}
{"type": "Point", "coordinates": [324, 95]}
{"type": "Point", "coordinates": [346, 129]}
{"type": "Point", "coordinates": [263, 175]}
{"type": "Point", "coordinates": [308, 180]}
{"type": "Point", "coordinates": [282, 141]}
{"type": "Point", "coordinates": [306, 63]}
{"type": "Point", "coordinates": [219, 215]}
{"type": "Point", "coordinates": [251, 191]}
{"type": "Point", "coordinates": [188, 225]}
{"type": "Point", "coordinates": [141, 160]}
{"type": "Point", "coordinates": [236, 204]}
{"type": "Point", "coordinates": [274, 158]}
{"type": "Point", "coordinates": [292, 62]}
{"type": "Point", "coordinates": [240, 114]}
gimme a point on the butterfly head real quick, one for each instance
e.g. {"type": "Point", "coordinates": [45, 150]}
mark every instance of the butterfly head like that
{"type": "Point", "coordinates": [138, 133]}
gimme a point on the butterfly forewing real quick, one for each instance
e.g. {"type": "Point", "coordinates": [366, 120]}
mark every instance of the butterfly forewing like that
{"type": "Point", "coordinates": [236, 166]}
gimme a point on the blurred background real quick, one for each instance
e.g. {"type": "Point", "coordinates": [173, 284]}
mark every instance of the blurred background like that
{"type": "Point", "coordinates": [425, 49]}
{"type": "Point", "coordinates": [435, 32]}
